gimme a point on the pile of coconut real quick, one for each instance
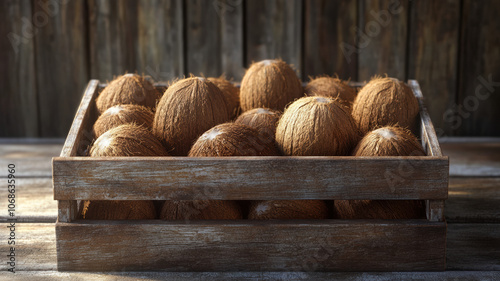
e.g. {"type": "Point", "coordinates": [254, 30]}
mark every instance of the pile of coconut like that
{"type": "Point", "coordinates": [270, 114]}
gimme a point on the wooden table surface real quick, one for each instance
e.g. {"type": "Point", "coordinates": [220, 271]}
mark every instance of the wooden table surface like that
{"type": "Point", "coordinates": [472, 212]}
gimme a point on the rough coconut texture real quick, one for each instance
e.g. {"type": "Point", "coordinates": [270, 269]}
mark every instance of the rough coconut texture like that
{"type": "Point", "coordinates": [123, 114]}
{"type": "Point", "coordinates": [269, 84]}
{"type": "Point", "coordinates": [385, 141]}
{"type": "Point", "coordinates": [188, 108]}
{"type": "Point", "coordinates": [382, 102]}
{"type": "Point", "coordinates": [316, 126]}
{"type": "Point", "coordinates": [332, 87]}
{"type": "Point", "coordinates": [284, 209]}
{"type": "Point", "coordinates": [263, 120]}
{"type": "Point", "coordinates": [118, 210]}
{"type": "Point", "coordinates": [232, 139]}
{"type": "Point", "coordinates": [128, 89]}
{"type": "Point", "coordinates": [389, 141]}
{"type": "Point", "coordinates": [128, 140]}
{"type": "Point", "coordinates": [231, 93]}
{"type": "Point", "coordinates": [201, 210]}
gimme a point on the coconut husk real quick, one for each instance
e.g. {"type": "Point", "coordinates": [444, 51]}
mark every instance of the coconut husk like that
{"type": "Point", "coordinates": [288, 209]}
{"type": "Point", "coordinates": [389, 141]}
{"type": "Point", "coordinates": [128, 140]}
{"type": "Point", "coordinates": [232, 139]}
{"type": "Point", "coordinates": [331, 87]}
{"type": "Point", "coordinates": [316, 126]}
{"type": "Point", "coordinates": [269, 84]}
{"type": "Point", "coordinates": [201, 210]}
{"type": "Point", "coordinates": [385, 141]}
{"type": "Point", "coordinates": [188, 108]}
{"type": "Point", "coordinates": [231, 93]}
{"type": "Point", "coordinates": [118, 210]}
{"type": "Point", "coordinates": [263, 120]}
{"type": "Point", "coordinates": [123, 114]}
{"type": "Point", "coordinates": [128, 89]}
{"type": "Point", "coordinates": [379, 209]}
{"type": "Point", "coordinates": [383, 102]}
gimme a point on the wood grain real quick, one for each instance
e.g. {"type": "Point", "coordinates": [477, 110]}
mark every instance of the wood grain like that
{"type": "Point", "coordinates": [329, 38]}
{"type": "Point", "coordinates": [231, 246]}
{"type": "Point", "coordinates": [473, 246]}
{"type": "Point", "coordinates": [382, 38]}
{"type": "Point", "coordinates": [250, 276]}
{"type": "Point", "coordinates": [473, 158]}
{"type": "Point", "coordinates": [160, 44]}
{"type": "Point", "coordinates": [122, 178]}
{"type": "Point", "coordinates": [479, 71]}
{"type": "Point", "coordinates": [215, 38]}
{"type": "Point", "coordinates": [473, 200]}
{"type": "Point", "coordinates": [273, 30]}
{"type": "Point", "coordinates": [435, 65]}
{"type": "Point", "coordinates": [32, 160]}
{"type": "Point", "coordinates": [19, 98]}
{"type": "Point", "coordinates": [35, 201]}
{"type": "Point", "coordinates": [58, 97]}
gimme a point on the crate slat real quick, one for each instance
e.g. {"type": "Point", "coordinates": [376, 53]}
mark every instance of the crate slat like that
{"type": "Point", "coordinates": [327, 245]}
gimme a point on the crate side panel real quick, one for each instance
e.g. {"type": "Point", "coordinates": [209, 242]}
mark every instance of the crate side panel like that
{"type": "Point", "coordinates": [250, 178]}
{"type": "Point", "coordinates": [252, 246]}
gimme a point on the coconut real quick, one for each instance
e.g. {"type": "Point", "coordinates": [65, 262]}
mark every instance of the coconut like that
{"type": "Point", "coordinates": [316, 126]}
{"type": "Point", "coordinates": [231, 93]}
{"type": "Point", "coordinates": [201, 210]}
{"type": "Point", "coordinates": [269, 84]}
{"type": "Point", "coordinates": [123, 114]}
{"type": "Point", "coordinates": [128, 89]}
{"type": "Point", "coordinates": [188, 108]}
{"type": "Point", "coordinates": [263, 119]}
{"type": "Point", "coordinates": [389, 141]}
{"type": "Point", "coordinates": [331, 87]}
{"type": "Point", "coordinates": [385, 141]}
{"type": "Point", "coordinates": [233, 139]}
{"type": "Point", "coordinates": [382, 102]}
{"type": "Point", "coordinates": [128, 140]}
{"type": "Point", "coordinates": [285, 209]}
{"type": "Point", "coordinates": [118, 210]}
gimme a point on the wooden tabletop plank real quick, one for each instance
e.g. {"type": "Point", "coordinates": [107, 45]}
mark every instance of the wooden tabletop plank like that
{"type": "Point", "coordinates": [34, 201]}
{"type": "Point", "coordinates": [153, 276]}
{"type": "Point", "coordinates": [469, 246]}
{"type": "Point", "coordinates": [475, 199]}
{"type": "Point", "coordinates": [473, 158]}
{"type": "Point", "coordinates": [33, 160]}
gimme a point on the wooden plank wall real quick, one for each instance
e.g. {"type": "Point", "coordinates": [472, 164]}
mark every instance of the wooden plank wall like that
{"type": "Point", "coordinates": [51, 48]}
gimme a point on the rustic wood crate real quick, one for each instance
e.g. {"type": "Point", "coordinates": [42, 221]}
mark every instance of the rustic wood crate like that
{"type": "Point", "coordinates": [246, 245]}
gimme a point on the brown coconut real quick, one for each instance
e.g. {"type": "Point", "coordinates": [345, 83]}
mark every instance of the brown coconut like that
{"type": "Point", "coordinates": [263, 120]}
{"type": "Point", "coordinates": [284, 209]}
{"type": "Point", "coordinates": [386, 141]}
{"type": "Point", "coordinates": [233, 139]}
{"type": "Point", "coordinates": [383, 102]}
{"type": "Point", "coordinates": [188, 108]}
{"type": "Point", "coordinates": [128, 89]}
{"type": "Point", "coordinates": [316, 126]}
{"type": "Point", "coordinates": [128, 140]}
{"type": "Point", "coordinates": [201, 210]}
{"type": "Point", "coordinates": [331, 87]}
{"type": "Point", "coordinates": [118, 210]}
{"type": "Point", "coordinates": [123, 114]}
{"type": "Point", "coordinates": [231, 93]}
{"type": "Point", "coordinates": [269, 84]}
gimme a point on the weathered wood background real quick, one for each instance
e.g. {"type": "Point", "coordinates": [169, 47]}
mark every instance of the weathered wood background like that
{"type": "Point", "coordinates": [51, 48]}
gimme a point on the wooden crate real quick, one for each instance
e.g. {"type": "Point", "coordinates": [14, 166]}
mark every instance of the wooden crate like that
{"type": "Point", "coordinates": [246, 245]}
